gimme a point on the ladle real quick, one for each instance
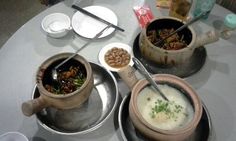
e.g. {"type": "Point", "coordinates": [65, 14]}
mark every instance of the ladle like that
{"type": "Point", "coordinates": [142, 69]}
{"type": "Point", "coordinates": [54, 70]}
{"type": "Point", "coordinates": [182, 27]}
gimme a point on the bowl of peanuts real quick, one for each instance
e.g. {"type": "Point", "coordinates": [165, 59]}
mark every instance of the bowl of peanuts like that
{"type": "Point", "coordinates": [115, 56]}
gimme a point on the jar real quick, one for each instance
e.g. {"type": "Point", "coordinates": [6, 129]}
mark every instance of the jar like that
{"type": "Point", "coordinates": [180, 9]}
{"type": "Point", "coordinates": [229, 26]}
{"type": "Point", "coordinates": [203, 6]}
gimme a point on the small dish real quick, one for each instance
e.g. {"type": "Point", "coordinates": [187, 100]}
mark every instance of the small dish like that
{"type": "Point", "coordinates": [56, 25]}
{"type": "Point", "coordinates": [88, 27]}
{"type": "Point", "coordinates": [13, 136]}
{"type": "Point", "coordinates": [108, 47]}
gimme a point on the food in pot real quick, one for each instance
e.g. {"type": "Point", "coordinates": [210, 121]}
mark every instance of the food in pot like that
{"type": "Point", "coordinates": [174, 42]}
{"type": "Point", "coordinates": [68, 81]}
{"type": "Point", "coordinates": [166, 115]}
{"type": "Point", "coordinates": [117, 57]}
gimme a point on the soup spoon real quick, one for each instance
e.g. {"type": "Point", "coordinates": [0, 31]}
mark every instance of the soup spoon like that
{"type": "Point", "coordinates": [54, 70]}
{"type": "Point", "coordinates": [142, 69]}
{"type": "Point", "coordinates": [56, 26]}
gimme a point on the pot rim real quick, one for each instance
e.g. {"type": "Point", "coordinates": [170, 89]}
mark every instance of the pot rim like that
{"type": "Point", "coordinates": [52, 59]}
{"type": "Point", "coordinates": [190, 46]}
{"type": "Point", "coordinates": [174, 80]}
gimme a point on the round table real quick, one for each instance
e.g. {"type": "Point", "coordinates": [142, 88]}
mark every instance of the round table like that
{"type": "Point", "coordinates": [22, 54]}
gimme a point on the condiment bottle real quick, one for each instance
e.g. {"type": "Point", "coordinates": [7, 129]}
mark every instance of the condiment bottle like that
{"type": "Point", "coordinates": [203, 6]}
{"type": "Point", "coordinates": [229, 26]}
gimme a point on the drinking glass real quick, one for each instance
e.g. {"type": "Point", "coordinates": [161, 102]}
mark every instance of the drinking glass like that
{"type": "Point", "coordinates": [203, 6]}
{"type": "Point", "coordinates": [180, 8]}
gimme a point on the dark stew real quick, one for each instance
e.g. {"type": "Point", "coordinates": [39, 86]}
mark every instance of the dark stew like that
{"type": "Point", "coordinates": [174, 42]}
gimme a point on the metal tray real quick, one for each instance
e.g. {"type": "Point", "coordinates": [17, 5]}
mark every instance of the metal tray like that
{"type": "Point", "coordinates": [129, 133]}
{"type": "Point", "coordinates": [91, 115]}
{"type": "Point", "coordinates": [190, 67]}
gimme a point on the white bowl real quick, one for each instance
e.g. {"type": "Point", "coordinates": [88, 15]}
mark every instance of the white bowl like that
{"type": "Point", "coordinates": [104, 50]}
{"type": "Point", "coordinates": [56, 25]}
{"type": "Point", "coordinates": [13, 136]}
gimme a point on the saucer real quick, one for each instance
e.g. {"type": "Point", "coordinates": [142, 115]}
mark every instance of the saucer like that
{"type": "Point", "coordinates": [88, 27]}
{"type": "Point", "coordinates": [103, 51]}
{"type": "Point", "coordinates": [203, 131]}
{"type": "Point", "coordinates": [190, 67]}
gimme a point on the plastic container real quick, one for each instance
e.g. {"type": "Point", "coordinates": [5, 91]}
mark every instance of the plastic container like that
{"type": "Point", "coordinates": [203, 6]}
{"type": "Point", "coordinates": [229, 26]}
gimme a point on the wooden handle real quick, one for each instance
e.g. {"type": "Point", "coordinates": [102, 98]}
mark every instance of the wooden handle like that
{"type": "Point", "coordinates": [127, 74]}
{"type": "Point", "coordinates": [33, 106]}
{"type": "Point", "coordinates": [207, 38]}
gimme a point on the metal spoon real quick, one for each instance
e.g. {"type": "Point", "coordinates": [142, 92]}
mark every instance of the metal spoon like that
{"type": "Point", "coordinates": [182, 27]}
{"type": "Point", "coordinates": [142, 69]}
{"type": "Point", "coordinates": [54, 70]}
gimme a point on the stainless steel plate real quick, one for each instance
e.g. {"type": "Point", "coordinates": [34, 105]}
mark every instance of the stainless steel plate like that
{"type": "Point", "coordinates": [190, 67]}
{"type": "Point", "coordinates": [129, 133]}
{"type": "Point", "coordinates": [91, 115]}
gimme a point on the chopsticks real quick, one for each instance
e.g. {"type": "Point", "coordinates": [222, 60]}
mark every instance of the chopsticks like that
{"type": "Point", "coordinates": [96, 17]}
{"type": "Point", "coordinates": [86, 44]}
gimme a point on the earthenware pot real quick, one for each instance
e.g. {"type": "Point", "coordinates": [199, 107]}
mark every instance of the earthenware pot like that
{"type": "Point", "coordinates": [148, 130]}
{"type": "Point", "coordinates": [173, 57]}
{"type": "Point", "coordinates": [59, 101]}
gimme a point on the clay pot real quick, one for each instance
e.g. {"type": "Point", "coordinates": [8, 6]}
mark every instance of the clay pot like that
{"type": "Point", "coordinates": [146, 128]}
{"type": "Point", "coordinates": [173, 57]}
{"type": "Point", "coordinates": [59, 101]}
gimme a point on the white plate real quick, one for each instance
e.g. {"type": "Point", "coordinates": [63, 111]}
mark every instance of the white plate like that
{"type": "Point", "coordinates": [88, 27]}
{"type": "Point", "coordinates": [104, 50]}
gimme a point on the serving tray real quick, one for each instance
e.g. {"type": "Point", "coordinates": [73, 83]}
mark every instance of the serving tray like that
{"type": "Point", "coordinates": [91, 115]}
{"type": "Point", "coordinates": [129, 133]}
{"type": "Point", "coordinates": [190, 67]}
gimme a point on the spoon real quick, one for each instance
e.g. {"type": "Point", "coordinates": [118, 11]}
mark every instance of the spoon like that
{"type": "Point", "coordinates": [54, 70]}
{"type": "Point", "coordinates": [182, 27]}
{"type": "Point", "coordinates": [58, 27]}
{"type": "Point", "coordinates": [142, 69]}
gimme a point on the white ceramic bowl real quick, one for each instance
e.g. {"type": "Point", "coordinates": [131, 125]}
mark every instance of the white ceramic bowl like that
{"type": "Point", "coordinates": [13, 136]}
{"type": "Point", "coordinates": [56, 25]}
{"type": "Point", "coordinates": [104, 50]}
